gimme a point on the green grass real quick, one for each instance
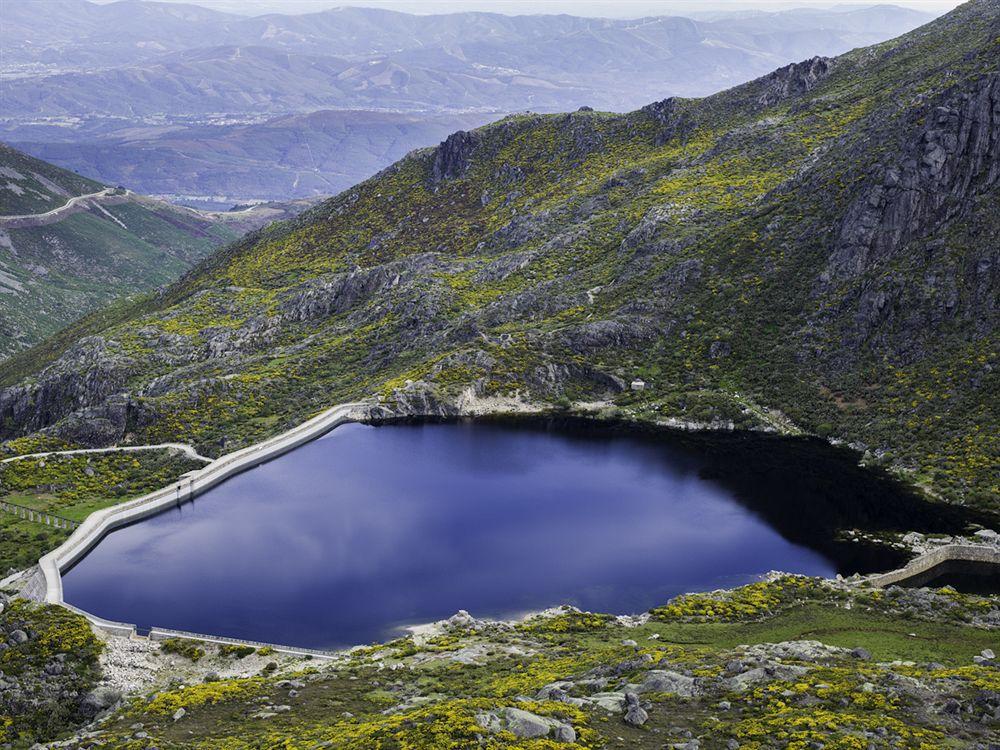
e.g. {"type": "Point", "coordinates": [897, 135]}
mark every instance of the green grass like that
{"type": "Point", "coordinates": [23, 542]}
{"type": "Point", "coordinates": [73, 487]}
{"type": "Point", "coordinates": [887, 637]}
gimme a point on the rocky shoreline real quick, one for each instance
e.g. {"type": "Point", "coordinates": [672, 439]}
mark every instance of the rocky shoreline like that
{"type": "Point", "coordinates": [583, 680]}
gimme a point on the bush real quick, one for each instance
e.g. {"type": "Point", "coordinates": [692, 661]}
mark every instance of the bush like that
{"type": "Point", "coordinates": [183, 647]}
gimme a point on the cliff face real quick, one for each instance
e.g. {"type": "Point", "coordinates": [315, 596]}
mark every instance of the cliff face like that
{"type": "Point", "coordinates": [819, 241]}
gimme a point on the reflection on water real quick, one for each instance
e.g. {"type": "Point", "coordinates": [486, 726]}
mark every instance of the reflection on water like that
{"type": "Point", "coordinates": [352, 535]}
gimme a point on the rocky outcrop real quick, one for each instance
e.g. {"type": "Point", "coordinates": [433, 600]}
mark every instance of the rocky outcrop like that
{"type": "Point", "coordinates": [86, 378]}
{"type": "Point", "coordinates": [951, 158]}
{"type": "Point", "coordinates": [453, 156]}
{"type": "Point", "coordinates": [670, 119]}
{"type": "Point", "coordinates": [526, 725]}
{"type": "Point", "coordinates": [324, 297]}
{"type": "Point", "coordinates": [792, 80]}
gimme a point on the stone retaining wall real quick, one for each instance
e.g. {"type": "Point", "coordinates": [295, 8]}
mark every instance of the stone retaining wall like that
{"type": "Point", "coordinates": [162, 634]}
{"type": "Point", "coordinates": [100, 523]}
{"type": "Point", "coordinates": [946, 553]}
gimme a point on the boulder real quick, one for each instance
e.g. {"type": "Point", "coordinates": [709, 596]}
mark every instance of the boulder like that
{"type": "Point", "coordinates": [665, 681]}
{"type": "Point", "coordinates": [99, 699]}
{"type": "Point", "coordinates": [635, 715]}
{"type": "Point", "coordinates": [526, 725]}
{"type": "Point", "coordinates": [17, 637]}
{"type": "Point", "coordinates": [614, 702]}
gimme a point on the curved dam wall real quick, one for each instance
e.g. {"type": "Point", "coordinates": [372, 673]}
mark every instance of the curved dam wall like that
{"type": "Point", "coordinates": [100, 523]}
{"type": "Point", "coordinates": [926, 562]}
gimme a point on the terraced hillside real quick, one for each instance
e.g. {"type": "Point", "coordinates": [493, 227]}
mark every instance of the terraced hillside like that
{"type": "Point", "coordinates": [69, 244]}
{"type": "Point", "coordinates": [811, 251]}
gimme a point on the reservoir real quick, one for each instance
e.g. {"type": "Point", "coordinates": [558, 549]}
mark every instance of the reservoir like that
{"type": "Point", "coordinates": [353, 536]}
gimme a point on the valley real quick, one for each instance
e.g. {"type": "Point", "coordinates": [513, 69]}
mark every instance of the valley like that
{"type": "Point", "coordinates": [670, 428]}
{"type": "Point", "coordinates": [69, 245]}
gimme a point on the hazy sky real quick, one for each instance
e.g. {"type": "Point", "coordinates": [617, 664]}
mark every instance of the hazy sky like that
{"type": "Point", "coordinates": [611, 8]}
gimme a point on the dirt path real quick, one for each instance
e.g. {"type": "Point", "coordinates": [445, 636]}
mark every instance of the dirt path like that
{"type": "Point", "coordinates": [182, 447]}
{"type": "Point", "coordinates": [56, 214]}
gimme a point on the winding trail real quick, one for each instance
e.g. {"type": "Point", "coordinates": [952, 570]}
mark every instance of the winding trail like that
{"type": "Point", "coordinates": [184, 448]}
{"type": "Point", "coordinates": [55, 214]}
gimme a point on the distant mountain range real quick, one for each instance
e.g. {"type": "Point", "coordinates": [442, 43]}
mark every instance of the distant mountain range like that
{"type": "Point", "coordinates": [134, 59]}
{"type": "Point", "coordinates": [175, 97]}
{"type": "Point", "coordinates": [69, 244]}
{"type": "Point", "coordinates": [291, 156]}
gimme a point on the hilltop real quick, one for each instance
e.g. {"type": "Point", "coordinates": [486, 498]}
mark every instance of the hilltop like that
{"type": "Point", "coordinates": [70, 244]}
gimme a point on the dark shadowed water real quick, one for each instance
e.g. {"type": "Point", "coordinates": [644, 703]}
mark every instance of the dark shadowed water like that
{"type": "Point", "coordinates": [353, 535]}
{"type": "Point", "coordinates": [963, 575]}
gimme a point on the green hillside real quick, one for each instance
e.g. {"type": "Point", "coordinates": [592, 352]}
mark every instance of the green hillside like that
{"type": "Point", "coordinates": [55, 268]}
{"type": "Point", "coordinates": [809, 251]}
{"type": "Point", "coordinates": [63, 254]}
{"type": "Point", "coordinates": [33, 186]}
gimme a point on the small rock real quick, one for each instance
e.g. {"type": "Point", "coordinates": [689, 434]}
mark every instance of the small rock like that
{"type": "Point", "coordinates": [987, 653]}
{"type": "Point", "coordinates": [629, 642]}
{"type": "Point", "coordinates": [951, 706]}
{"type": "Point", "coordinates": [636, 716]}
{"type": "Point", "coordinates": [179, 714]}
{"type": "Point", "coordinates": [564, 733]}
{"type": "Point", "coordinates": [861, 653]}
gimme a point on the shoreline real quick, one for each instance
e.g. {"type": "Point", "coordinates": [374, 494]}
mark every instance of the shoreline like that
{"type": "Point", "coordinates": [101, 522]}
{"type": "Point", "coordinates": [47, 576]}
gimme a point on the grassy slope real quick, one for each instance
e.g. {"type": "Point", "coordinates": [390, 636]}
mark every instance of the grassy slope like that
{"type": "Point", "coordinates": [702, 230]}
{"type": "Point", "coordinates": [56, 272]}
{"type": "Point", "coordinates": [439, 685]}
{"type": "Point", "coordinates": [73, 487]}
{"type": "Point", "coordinates": [28, 184]}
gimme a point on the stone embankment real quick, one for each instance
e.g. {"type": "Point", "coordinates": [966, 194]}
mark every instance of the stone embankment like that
{"type": "Point", "coordinates": [988, 554]}
{"type": "Point", "coordinates": [100, 523]}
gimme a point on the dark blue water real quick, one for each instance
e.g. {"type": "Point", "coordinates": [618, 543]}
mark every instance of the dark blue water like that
{"type": "Point", "coordinates": [369, 528]}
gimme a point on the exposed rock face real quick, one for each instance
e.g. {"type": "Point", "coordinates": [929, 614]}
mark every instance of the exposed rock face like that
{"type": "Point", "coordinates": [668, 114]}
{"type": "Point", "coordinates": [951, 159]}
{"type": "Point", "coordinates": [793, 80]}
{"type": "Point", "coordinates": [453, 156]}
{"type": "Point", "coordinates": [92, 376]}
{"type": "Point", "coordinates": [322, 298]}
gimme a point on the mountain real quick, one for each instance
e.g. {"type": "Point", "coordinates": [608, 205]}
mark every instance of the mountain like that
{"type": "Point", "coordinates": [293, 156]}
{"type": "Point", "coordinates": [69, 244]}
{"type": "Point", "coordinates": [809, 252]}
{"type": "Point", "coordinates": [144, 59]}
{"type": "Point", "coordinates": [177, 100]}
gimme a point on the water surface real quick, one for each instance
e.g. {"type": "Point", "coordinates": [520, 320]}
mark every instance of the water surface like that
{"type": "Point", "coordinates": [349, 537]}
